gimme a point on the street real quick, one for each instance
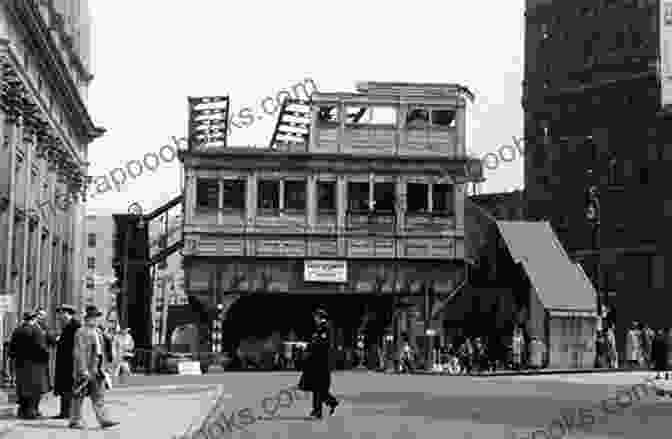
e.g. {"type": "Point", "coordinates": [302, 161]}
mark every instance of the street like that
{"type": "Point", "coordinates": [373, 406]}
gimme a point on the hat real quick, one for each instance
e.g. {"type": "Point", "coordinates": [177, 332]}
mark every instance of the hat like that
{"type": "Point", "coordinates": [92, 311]}
{"type": "Point", "coordinates": [68, 309]}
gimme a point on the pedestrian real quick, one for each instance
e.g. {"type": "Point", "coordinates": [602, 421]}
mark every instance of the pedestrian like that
{"type": "Point", "coordinates": [50, 338]}
{"type": "Point", "coordinates": [407, 357]}
{"type": "Point", "coordinates": [64, 377]}
{"type": "Point", "coordinates": [316, 376]}
{"type": "Point", "coordinates": [123, 351]}
{"type": "Point", "coordinates": [646, 342]}
{"type": "Point", "coordinates": [633, 347]}
{"type": "Point", "coordinates": [28, 348]}
{"type": "Point", "coordinates": [611, 346]}
{"type": "Point", "coordinates": [659, 353]}
{"type": "Point", "coordinates": [90, 374]}
{"type": "Point", "coordinates": [668, 345]}
{"type": "Point", "coordinates": [517, 347]}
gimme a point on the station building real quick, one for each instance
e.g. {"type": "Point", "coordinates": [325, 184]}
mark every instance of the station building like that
{"type": "Point", "coordinates": [357, 205]}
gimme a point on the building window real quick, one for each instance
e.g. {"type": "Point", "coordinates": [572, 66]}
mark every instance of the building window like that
{"type": "Point", "coordinates": [443, 118]}
{"type": "Point", "coordinates": [328, 114]}
{"type": "Point", "coordinates": [295, 195]}
{"type": "Point", "coordinates": [90, 284]}
{"type": "Point", "coordinates": [417, 117]}
{"type": "Point", "coordinates": [207, 193]}
{"type": "Point", "coordinates": [269, 195]}
{"type": "Point", "coordinates": [644, 176]}
{"type": "Point", "coordinates": [384, 197]}
{"type": "Point", "coordinates": [371, 116]}
{"type": "Point", "coordinates": [421, 117]}
{"type": "Point", "coordinates": [444, 199]}
{"type": "Point", "coordinates": [234, 194]}
{"type": "Point", "coordinates": [358, 196]}
{"type": "Point", "coordinates": [91, 237]}
{"type": "Point", "coordinates": [91, 263]}
{"type": "Point", "coordinates": [326, 195]}
{"type": "Point", "coordinates": [417, 197]}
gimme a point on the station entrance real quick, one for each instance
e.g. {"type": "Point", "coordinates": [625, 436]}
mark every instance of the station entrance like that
{"type": "Point", "coordinates": [269, 321]}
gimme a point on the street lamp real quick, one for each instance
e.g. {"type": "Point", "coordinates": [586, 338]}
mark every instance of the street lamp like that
{"type": "Point", "coordinates": [593, 217]}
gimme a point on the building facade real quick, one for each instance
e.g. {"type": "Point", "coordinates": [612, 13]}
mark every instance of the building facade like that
{"type": "Point", "coordinates": [99, 278]}
{"type": "Point", "coordinates": [168, 285]}
{"type": "Point", "coordinates": [592, 103]}
{"type": "Point", "coordinates": [46, 129]}
{"type": "Point", "coordinates": [355, 206]}
{"type": "Point", "coordinates": [503, 206]}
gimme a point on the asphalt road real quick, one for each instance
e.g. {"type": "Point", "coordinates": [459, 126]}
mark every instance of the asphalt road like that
{"type": "Point", "coordinates": [388, 406]}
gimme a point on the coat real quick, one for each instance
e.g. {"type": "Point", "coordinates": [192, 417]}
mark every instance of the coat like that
{"type": "Point", "coordinates": [633, 347]}
{"type": "Point", "coordinates": [89, 352]}
{"type": "Point", "coordinates": [659, 352]}
{"type": "Point", "coordinates": [316, 376]}
{"type": "Point", "coordinates": [64, 376]}
{"type": "Point", "coordinates": [28, 348]}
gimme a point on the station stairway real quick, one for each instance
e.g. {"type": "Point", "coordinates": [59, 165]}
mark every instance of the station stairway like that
{"type": "Point", "coordinates": [292, 130]}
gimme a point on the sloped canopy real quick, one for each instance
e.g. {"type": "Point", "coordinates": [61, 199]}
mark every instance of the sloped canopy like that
{"type": "Point", "coordinates": [560, 284]}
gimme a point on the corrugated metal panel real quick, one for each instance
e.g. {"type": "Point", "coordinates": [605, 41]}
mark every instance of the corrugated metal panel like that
{"type": "Point", "coordinates": [559, 283]}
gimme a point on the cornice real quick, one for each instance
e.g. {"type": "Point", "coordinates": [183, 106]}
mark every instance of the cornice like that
{"type": "Point", "coordinates": [8, 51]}
{"type": "Point", "coordinates": [27, 13]}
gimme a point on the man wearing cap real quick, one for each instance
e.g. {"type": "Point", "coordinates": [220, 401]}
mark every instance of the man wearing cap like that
{"type": "Point", "coordinates": [317, 373]}
{"type": "Point", "coordinates": [90, 367]}
{"type": "Point", "coordinates": [64, 379]}
{"type": "Point", "coordinates": [28, 348]}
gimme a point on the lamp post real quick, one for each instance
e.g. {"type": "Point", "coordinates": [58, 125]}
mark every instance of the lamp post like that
{"type": "Point", "coordinates": [593, 217]}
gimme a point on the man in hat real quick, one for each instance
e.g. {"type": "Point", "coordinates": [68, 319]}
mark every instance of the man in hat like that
{"type": "Point", "coordinates": [28, 349]}
{"type": "Point", "coordinates": [64, 379]}
{"type": "Point", "coordinates": [90, 366]}
{"type": "Point", "coordinates": [317, 373]}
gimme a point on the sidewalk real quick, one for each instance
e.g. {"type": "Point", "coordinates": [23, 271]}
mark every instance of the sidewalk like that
{"type": "Point", "coordinates": [151, 415]}
{"type": "Point", "coordinates": [529, 372]}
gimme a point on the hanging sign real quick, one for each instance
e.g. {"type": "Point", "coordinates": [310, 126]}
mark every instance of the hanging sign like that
{"type": "Point", "coordinates": [325, 271]}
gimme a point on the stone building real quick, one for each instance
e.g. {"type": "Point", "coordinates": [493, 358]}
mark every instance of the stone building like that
{"type": "Point", "coordinates": [45, 129]}
{"type": "Point", "coordinates": [355, 206]}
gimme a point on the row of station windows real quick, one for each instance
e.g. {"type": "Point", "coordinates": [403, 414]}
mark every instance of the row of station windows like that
{"type": "Point", "coordinates": [286, 194]}
{"type": "Point", "coordinates": [417, 117]}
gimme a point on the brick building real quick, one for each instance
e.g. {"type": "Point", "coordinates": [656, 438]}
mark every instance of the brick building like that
{"type": "Point", "coordinates": [592, 103]}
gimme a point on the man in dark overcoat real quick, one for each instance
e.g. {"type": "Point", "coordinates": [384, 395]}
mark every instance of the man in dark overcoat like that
{"type": "Point", "coordinates": [64, 380]}
{"type": "Point", "coordinates": [28, 348]}
{"type": "Point", "coordinates": [317, 372]}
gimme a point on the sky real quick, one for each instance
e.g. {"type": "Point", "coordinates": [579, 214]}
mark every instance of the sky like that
{"type": "Point", "coordinates": [149, 57]}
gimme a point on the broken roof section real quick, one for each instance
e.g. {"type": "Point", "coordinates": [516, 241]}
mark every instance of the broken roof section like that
{"type": "Point", "coordinates": [561, 285]}
{"type": "Point", "coordinates": [295, 119]}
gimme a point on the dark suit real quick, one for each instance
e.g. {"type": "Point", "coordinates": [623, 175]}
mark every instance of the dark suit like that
{"type": "Point", "coordinates": [64, 377]}
{"type": "Point", "coordinates": [317, 370]}
{"type": "Point", "coordinates": [28, 347]}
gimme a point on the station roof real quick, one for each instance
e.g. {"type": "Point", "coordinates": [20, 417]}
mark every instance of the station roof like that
{"type": "Point", "coordinates": [561, 285]}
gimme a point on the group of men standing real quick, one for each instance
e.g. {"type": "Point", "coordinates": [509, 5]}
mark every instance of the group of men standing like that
{"type": "Point", "coordinates": [82, 366]}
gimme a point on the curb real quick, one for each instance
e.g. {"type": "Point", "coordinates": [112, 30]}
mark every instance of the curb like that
{"type": "Point", "coordinates": [528, 373]}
